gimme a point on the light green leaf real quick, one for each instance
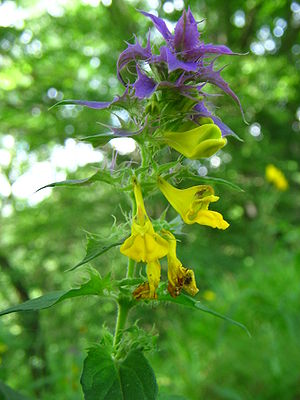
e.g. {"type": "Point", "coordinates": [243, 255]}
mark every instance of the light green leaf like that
{"type": "Point", "coordinates": [105, 378]}
{"type": "Point", "coordinates": [209, 179]}
{"type": "Point", "coordinates": [99, 176]}
{"type": "Point", "coordinates": [94, 286]}
{"type": "Point", "coordinates": [6, 393]}
{"type": "Point", "coordinates": [164, 396]}
{"type": "Point", "coordinates": [99, 139]}
{"type": "Point", "coordinates": [96, 246]}
{"type": "Point", "coordinates": [165, 167]}
{"type": "Point", "coordinates": [188, 301]}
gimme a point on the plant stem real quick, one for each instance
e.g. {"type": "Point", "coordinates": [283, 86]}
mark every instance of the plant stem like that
{"type": "Point", "coordinates": [124, 304]}
{"type": "Point", "coordinates": [123, 309]}
{"type": "Point", "coordinates": [130, 268]}
{"type": "Point", "coordinates": [143, 156]}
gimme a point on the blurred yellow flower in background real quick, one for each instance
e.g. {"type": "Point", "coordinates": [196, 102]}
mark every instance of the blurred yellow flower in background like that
{"type": "Point", "coordinates": [209, 295]}
{"type": "Point", "coordinates": [276, 177]}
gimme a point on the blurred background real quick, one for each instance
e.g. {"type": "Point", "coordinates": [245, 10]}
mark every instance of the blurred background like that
{"type": "Point", "coordinates": [60, 49]}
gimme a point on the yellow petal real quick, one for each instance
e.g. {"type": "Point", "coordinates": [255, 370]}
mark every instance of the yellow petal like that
{"type": "Point", "coordinates": [192, 204]}
{"type": "Point", "coordinates": [208, 218]}
{"type": "Point", "coordinates": [144, 244]}
{"type": "Point", "coordinates": [153, 274]}
{"type": "Point", "coordinates": [179, 277]}
{"type": "Point", "coordinates": [189, 282]}
{"type": "Point", "coordinates": [145, 248]}
{"type": "Point", "coordinates": [147, 290]}
{"type": "Point", "coordinates": [200, 142]}
{"type": "Point", "coordinates": [141, 214]}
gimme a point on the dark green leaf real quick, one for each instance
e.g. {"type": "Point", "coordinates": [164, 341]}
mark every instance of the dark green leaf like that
{"type": "Point", "coordinates": [94, 286]}
{"type": "Point", "coordinates": [188, 301]}
{"type": "Point", "coordinates": [105, 378]}
{"type": "Point", "coordinates": [6, 393]}
{"type": "Point", "coordinates": [99, 176]}
{"type": "Point", "coordinates": [97, 246]}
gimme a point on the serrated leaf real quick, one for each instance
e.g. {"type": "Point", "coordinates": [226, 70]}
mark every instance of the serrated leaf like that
{"type": "Point", "coordinates": [96, 247]}
{"type": "Point", "coordinates": [94, 286]}
{"type": "Point", "coordinates": [188, 301]}
{"type": "Point", "coordinates": [6, 393]}
{"type": "Point", "coordinates": [105, 378]}
{"type": "Point", "coordinates": [99, 176]}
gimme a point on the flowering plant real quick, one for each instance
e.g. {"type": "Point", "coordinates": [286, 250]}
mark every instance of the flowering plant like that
{"type": "Point", "coordinates": [166, 112]}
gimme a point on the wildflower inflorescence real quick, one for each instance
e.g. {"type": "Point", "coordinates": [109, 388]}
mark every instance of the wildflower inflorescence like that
{"type": "Point", "coordinates": [167, 107]}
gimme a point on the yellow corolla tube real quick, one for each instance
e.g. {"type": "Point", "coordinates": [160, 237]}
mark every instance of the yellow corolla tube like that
{"type": "Point", "coordinates": [153, 273]}
{"type": "Point", "coordinates": [147, 290]}
{"type": "Point", "coordinates": [275, 176]}
{"type": "Point", "coordinates": [179, 277]}
{"type": "Point", "coordinates": [200, 142]}
{"type": "Point", "coordinates": [144, 244]}
{"type": "Point", "coordinates": [192, 204]}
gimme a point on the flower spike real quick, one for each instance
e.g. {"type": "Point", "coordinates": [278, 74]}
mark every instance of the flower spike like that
{"type": "Point", "coordinates": [192, 204]}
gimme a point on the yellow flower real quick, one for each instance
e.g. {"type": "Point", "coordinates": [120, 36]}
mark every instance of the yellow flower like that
{"type": "Point", "coordinates": [179, 277]}
{"type": "Point", "coordinates": [192, 204]}
{"type": "Point", "coordinates": [200, 142]}
{"type": "Point", "coordinates": [275, 176]}
{"type": "Point", "coordinates": [147, 290]}
{"type": "Point", "coordinates": [144, 244]}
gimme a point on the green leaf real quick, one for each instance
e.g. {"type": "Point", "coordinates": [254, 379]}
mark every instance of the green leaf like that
{"type": "Point", "coordinates": [96, 246]}
{"type": "Point", "coordinates": [6, 393]}
{"type": "Point", "coordinates": [188, 301]}
{"type": "Point", "coordinates": [210, 179]}
{"type": "Point", "coordinates": [99, 176]}
{"type": "Point", "coordinates": [99, 139]}
{"type": "Point", "coordinates": [105, 378]}
{"type": "Point", "coordinates": [166, 167]}
{"type": "Point", "coordinates": [94, 286]}
{"type": "Point", "coordinates": [164, 396]}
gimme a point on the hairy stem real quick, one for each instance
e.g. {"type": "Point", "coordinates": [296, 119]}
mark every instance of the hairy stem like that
{"type": "Point", "coordinates": [130, 268]}
{"type": "Point", "coordinates": [123, 307]}
{"type": "Point", "coordinates": [144, 157]}
{"type": "Point", "coordinates": [123, 310]}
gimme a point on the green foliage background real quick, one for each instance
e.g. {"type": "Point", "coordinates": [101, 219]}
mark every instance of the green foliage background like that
{"type": "Point", "coordinates": [253, 268]}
